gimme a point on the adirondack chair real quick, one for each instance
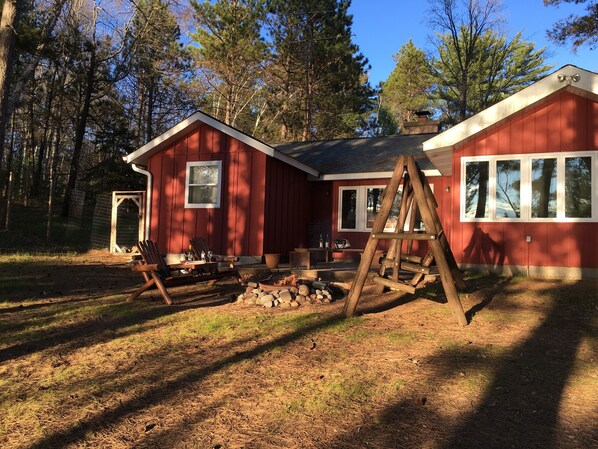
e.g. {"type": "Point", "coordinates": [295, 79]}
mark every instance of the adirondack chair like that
{"type": "Point", "coordinates": [199, 246]}
{"type": "Point", "coordinates": [157, 273]}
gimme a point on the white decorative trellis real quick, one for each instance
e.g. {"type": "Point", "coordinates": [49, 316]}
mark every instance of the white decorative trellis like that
{"type": "Point", "coordinates": [138, 198]}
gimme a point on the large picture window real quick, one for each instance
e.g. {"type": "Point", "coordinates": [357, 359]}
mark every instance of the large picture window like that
{"type": "Point", "coordinates": [203, 184]}
{"type": "Point", "coordinates": [359, 206]}
{"type": "Point", "coordinates": [535, 187]}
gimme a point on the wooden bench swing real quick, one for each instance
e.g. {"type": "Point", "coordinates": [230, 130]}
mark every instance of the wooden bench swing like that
{"type": "Point", "coordinates": [417, 197]}
{"type": "Point", "coordinates": [157, 273]}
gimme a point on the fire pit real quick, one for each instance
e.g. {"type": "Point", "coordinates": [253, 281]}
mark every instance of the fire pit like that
{"type": "Point", "coordinates": [289, 292]}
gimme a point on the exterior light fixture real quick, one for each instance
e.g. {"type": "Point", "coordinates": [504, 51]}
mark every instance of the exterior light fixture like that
{"type": "Point", "coordinates": [568, 78]}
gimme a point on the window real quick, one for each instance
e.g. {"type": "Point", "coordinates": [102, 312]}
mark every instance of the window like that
{"type": "Point", "coordinates": [359, 206]}
{"type": "Point", "coordinates": [203, 182]}
{"type": "Point", "coordinates": [535, 187]}
{"type": "Point", "coordinates": [348, 209]}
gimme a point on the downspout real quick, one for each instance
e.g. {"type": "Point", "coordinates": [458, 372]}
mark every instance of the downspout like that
{"type": "Point", "coordinates": [148, 197]}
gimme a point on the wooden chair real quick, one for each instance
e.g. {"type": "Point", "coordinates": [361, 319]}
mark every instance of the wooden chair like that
{"type": "Point", "coordinates": [199, 245]}
{"type": "Point", "coordinates": [157, 273]}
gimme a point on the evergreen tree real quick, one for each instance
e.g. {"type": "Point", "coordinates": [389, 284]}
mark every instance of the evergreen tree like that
{"type": "Point", "coordinates": [156, 65]}
{"type": "Point", "coordinates": [475, 65]}
{"type": "Point", "coordinates": [318, 87]}
{"type": "Point", "coordinates": [230, 55]}
{"type": "Point", "coordinates": [407, 89]}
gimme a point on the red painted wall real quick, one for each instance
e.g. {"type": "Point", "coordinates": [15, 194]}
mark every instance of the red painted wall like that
{"type": "Point", "coordinates": [287, 207]}
{"type": "Point", "coordinates": [237, 227]}
{"type": "Point", "coordinates": [566, 122]}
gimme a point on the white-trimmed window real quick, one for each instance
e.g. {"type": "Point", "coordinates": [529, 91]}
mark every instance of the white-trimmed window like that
{"type": "Point", "coordinates": [530, 187]}
{"type": "Point", "coordinates": [358, 207]}
{"type": "Point", "coordinates": [203, 184]}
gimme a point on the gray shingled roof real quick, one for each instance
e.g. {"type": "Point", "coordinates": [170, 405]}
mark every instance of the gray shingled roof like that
{"type": "Point", "coordinates": [362, 155]}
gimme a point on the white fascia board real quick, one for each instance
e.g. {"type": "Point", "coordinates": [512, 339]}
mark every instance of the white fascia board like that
{"type": "Point", "coordinates": [560, 79]}
{"type": "Point", "coordinates": [141, 155]}
{"type": "Point", "coordinates": [369, 175]}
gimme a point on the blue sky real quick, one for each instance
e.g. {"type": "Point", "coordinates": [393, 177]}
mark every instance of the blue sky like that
{"type": "Point", "coordinates": [380, 27]}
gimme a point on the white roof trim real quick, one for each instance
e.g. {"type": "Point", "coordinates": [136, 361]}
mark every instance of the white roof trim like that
{"type": "Point", "coordinates": [368, 175]}
{"type": "Point", "coordinates": [437, 147]}
{"type": "Point", "coordinates": [141, 155]}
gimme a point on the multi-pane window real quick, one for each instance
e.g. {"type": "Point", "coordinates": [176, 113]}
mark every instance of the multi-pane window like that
{"type": "Point", "coordinates": [203, 182]}
{"type": "Point", "coordinates": [547, 187]}
{"type": "Point", "coordinates": [359, 206]}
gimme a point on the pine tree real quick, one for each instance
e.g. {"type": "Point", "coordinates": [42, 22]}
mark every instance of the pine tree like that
{"type": "Point", "coordinates": [317, 75]}
{"type": "Point", "coordinates": [407, 89]}
{"type": "Point", "coordinates": [230, 55]}
{"type": "Point", "coordinates": [475, 65]}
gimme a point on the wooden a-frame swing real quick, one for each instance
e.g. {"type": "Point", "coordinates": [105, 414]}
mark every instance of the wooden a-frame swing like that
{"type": "Point", "coordinates": [417, 197]}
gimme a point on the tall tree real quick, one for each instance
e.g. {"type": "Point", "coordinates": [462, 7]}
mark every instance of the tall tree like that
{"type": "Point", "coordinates": [231, 51]}
{"type": "Point", "coordinates": [407, 89]}
{"type": "Point", "coordinates": [475, 64]}
{"type": "Point", "coordinates": [318, 83]}
{"type": "Point", "coordinates": [11, 11]}
{"type": "Point", "coordinates": [580, 29]}
{"type": "Point", "coordinates": [156, 64]}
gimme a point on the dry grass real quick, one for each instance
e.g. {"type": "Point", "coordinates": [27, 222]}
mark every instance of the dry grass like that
{"type": "Point", "coordinates": [81, 368]}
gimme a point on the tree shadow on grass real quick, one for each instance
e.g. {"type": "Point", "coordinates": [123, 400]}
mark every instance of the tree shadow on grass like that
{"type": "Point", "coordinates": [520, 408]}
{"type": "Point", "coordinates": [103, 326]}
{"type": "Point", "coordinates": [168, 388]}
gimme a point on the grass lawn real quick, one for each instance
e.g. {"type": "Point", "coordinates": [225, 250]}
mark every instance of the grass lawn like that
{"type": "Point", "coordinates": [79, 367]}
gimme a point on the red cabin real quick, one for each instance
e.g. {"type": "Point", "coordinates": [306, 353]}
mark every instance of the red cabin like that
{"type": "Point", "coordinates": [517, 184]}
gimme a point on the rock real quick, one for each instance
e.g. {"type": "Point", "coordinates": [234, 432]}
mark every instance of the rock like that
{"type": "Point", "coordinates": [319, 297]}
{"type": "Point", "coordinates": [285, 305]}
{"type": "Point", "coordinates": [318, 285]}
{"type": "Point", "coordinates": [276, 302]}
{"type": "Point", "coordinates": [294, 304]}
{"type": "Point", "coordinates": [256, 291]}
{"type": "Point", "coordinates": [312, 296]}
{"type": "Point", "coordinates": [264, 299]}
{"type": "Point", "coordinates": [303, 290]}
{"type": "Point", "coordinates": [268, 304]}
{"type": "Point", "coordinates": [300, 299]}
{"type": "Point", "coordinates": [326, 300]}
{"type": "Point", "coordinates": [318, 291]}
{"type": "Point", "coordinates": [252, 284]}
{"type": "Point", "coordinates": [294, 290]}
{"type": "Point", "coordinates": [249, 290]}
{"type": "Point", "coordinates": [250, 300]}
{"type": "Point", "coordinates": [285, 296]}
{"type": "Point", "coordinates": [261, 294]}
{"type": "Point", "coordinates": [241, 298]}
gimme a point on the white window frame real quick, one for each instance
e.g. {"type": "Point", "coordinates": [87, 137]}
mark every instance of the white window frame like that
{"type": "Point", "coordinates": [361, 207]}
{"type": "Point", "coordinates": [525, 194]}
{"type": "Point", "coordinates": [218, 185]}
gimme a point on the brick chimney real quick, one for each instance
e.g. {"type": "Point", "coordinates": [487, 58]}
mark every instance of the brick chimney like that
{"type": "Point", "coordinates": [423, 124]}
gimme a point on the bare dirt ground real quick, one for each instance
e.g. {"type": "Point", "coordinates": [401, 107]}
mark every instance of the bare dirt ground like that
{"type": "Point", "coordinates": [79, 367]}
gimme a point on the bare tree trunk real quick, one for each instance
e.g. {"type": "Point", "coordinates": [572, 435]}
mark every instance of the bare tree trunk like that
{"type": "Point", "coordinates": [11, 10]}
{"type": "Point", "coordinates": [149, 129]}
{"type": "Point", "coordinates": [44, 145]}
{"type": "Point", "coordinates": [80, 132]}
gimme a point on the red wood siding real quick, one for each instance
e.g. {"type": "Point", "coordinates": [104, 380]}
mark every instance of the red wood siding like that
{"type": "Point", "coordinates": [287, 207]}
{"type": "Point", "coordinates": [566, 122]}
{"type": "Point", "coordinates": [236, 227]}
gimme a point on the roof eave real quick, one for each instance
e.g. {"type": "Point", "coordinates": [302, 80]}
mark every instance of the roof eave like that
{"type": "Point", "coordinates": [142, 154]}
{"type": "Point", "coordinates": [439, 148]}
